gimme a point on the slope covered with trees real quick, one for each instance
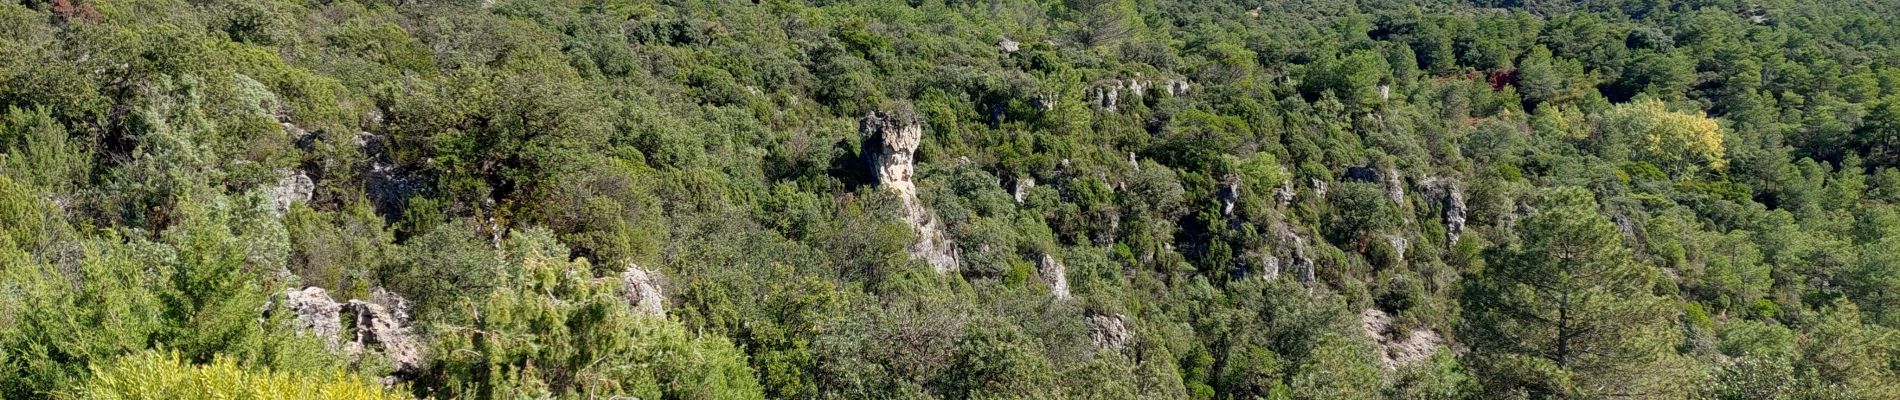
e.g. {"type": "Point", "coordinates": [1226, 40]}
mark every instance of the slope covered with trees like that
{"type": "Point", "coordinates": [1076, 199]}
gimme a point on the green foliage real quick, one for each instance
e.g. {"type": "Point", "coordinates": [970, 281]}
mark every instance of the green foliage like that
{"type": "Point", "coordinates": [1568, 313]}
{"type": "Point", "coordinates": [552, 329]}
{"type": "Point", "coordinates": [162, 375]}
{"type": "Point", "coordinates": [1588, 199]}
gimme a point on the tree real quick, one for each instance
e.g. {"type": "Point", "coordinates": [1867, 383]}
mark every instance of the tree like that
{"type": "Point", "coordinates": [1678, 142]}
{"type": "Point", "coordinates": [1337, 368]}
{"type": "Point", "coordinates": [1568, 313]}
{"type": "Point", "coordinates": [552, 329]}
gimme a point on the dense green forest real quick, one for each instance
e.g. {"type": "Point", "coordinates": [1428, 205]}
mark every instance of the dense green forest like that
{"type": "Point", "coordinates": [954, 199]}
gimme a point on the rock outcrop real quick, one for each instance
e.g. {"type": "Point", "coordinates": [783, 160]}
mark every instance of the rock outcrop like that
{"type": "Point", "coordinates": [1269, 267]}
{"type": "Point", "coordinates": [1109, 332]}
{"type": "Point", "coordinates": [313, 312]}
{"type": "Point", "coordinates": [385, 329]}
{"type": "Point", "coordinates": [642, 290]}
{"type": "Point", "coordinates": [891, 146]}
{"type": "Point", "coordinates": [1021, 191]}
{"type": "Point", "coordinates": [1444, 194]}
{"type": "Point", "coordinates": [1394, 186]}
{"type": "Point", "coordinates": [1229, 195]}
{"type": "Point", "coordinates": [1284, 195]}
{"type": "Point", "coordinates": [387, 185]}
{"type": "Point", "coordinates": [1292, 251]}
{"type": "Point", "coordinates": [1399, 246]}
{"type": "Point", "coordinates": [1055, 275]}
{"type": "Point", "coordinates": [1107, 95]}
{"type": "Point", "coordinates": [1008, 46]}
{"type": "Point", "coordinates": [380, 325]}
{"type": "Point", "coordinates": [294, 187]}
{"type": "Point", "coordinates": [1176, 87]}
{"type": "Point", "coordinates": [1416, 345]}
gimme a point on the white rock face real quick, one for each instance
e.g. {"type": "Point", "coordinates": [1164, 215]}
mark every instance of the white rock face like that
{"type": "Point", "coordinates": [1394, 352]}
{"type": "Point", "coordinates": [891, 143]}
{"type": "Point", "coordinates": [643, 290]}
{"type": "Point", "coordinates": [1055, 274]}
{"type": "Point", "coordinates": [292, 188]}
{"type": "Point", "coordinates": [380, 325]}
{"type": "Point", "coordinates": [1110, 332]}
{"type": "Point", "coordinates": [1293, 253]}
{"type": "Point", "coordinates": [1023, 184]}
{"type": "Point", "coordinates": [1445, 194]}
{"type": "Point", "coordinates": [385, 330]}
{"type": "Point", "coordinates": [1394, 186]}
{"type": "Point", "coordinates": [312, 312]}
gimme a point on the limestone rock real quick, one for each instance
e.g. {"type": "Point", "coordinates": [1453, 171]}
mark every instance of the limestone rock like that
{"type": "Point", "coordinates": [1284, 195]}
{"type": "Point", "coordinates": [1176, 87]}
{"type": "Point", "coordinates": [1416, 345]}
{"type": "Point", "coordinates": [1292, 249]}
{"type": "Point", "coordinates": [1023, 184]}
{"type": "Point", "coordinates": [643, 290]}
{"type": "Point", "coordinates": [292, 188]}
{"type": "Point", "coordinates": [1444, 193]}
{"type": "Point", "coordinates": [1109, 332]}
{"type": "Point", "coordinates": [380, 326]}
{"type": "Point", "coordinates": [1008, 46]}
{"type": "Point", "coordinates": [1269, 267]}
{"type": "Point", "coordinates": [1394, 186]}
{"type": "Point", "coordinates": [891, 148]}
{"type": "Point", "coordinates": [384, 329]}
{"type": "Point", "coordinates": [1399, 245]}
{"type": "Point", "coordinates": [312, 312]}
{"type": "Point", "coordinates": [1055, 274]}
{"type": "Point", "coordinates": [1229, 196]}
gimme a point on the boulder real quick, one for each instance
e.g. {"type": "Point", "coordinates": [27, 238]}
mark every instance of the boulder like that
{"type": "Point", "coordinates": [1229, 195]}
{"type": "Point", "coordinates": [1021, 191]}
{"type": "Point", "coordinates": [1394, 186]}
{"type": "Point", "coordinates": [1293, 252]}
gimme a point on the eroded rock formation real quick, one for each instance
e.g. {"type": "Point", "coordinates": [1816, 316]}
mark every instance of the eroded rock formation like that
{"type": "Point", "coordinates": [294, 187]}
{"type": "Point", "coordinates": [1109, 332]}
{"type": "Point", "coordinates": [891, 148]}
{"type": "Point", "coordinates": [1416, 345]}
{"type": "Point", "coordinates": [379, 326]}
{"type": "Point", "coordinates": [1444, 193]}
{"type": "Point", "coordinates": [1292, 251]}
{"type": "Point", "coordinates": [384, 329]}
{"type": "Point", "coordinates": [1055, 275]}
{"type": "Point", "coordinates": [313, 312]}
{"type": "Point", "coordinates": [642, 290]}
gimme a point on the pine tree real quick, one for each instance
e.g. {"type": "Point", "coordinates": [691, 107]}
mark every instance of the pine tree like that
{"type": "Point", "coordinates": [1568, 314]}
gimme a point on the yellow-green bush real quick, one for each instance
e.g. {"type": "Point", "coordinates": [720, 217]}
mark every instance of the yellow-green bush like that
{"type": "Point", "coordinates": [164, 375]}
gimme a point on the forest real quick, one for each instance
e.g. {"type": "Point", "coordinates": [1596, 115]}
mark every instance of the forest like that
{"type": "Point", "coordinates": [950, 199]}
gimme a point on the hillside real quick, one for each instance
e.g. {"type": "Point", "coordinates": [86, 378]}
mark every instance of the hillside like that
{"type": "Point", "coordinates": [944, 199]}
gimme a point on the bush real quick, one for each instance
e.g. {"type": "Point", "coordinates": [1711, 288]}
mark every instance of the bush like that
{"type": "Point", "coordinates": [165, 375]}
